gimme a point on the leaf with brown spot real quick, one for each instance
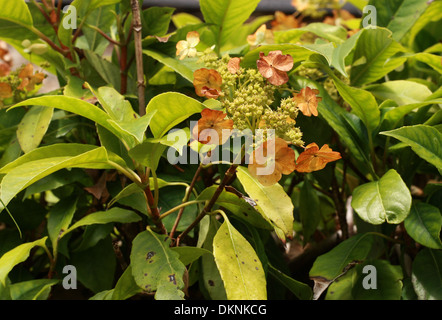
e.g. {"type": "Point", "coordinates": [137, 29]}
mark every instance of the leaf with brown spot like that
{"type": "Point", "coordinates": [155, 267]}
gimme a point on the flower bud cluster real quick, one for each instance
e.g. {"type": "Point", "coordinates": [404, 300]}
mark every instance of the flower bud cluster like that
{"type": "Point", "coordinates": [248, 98]}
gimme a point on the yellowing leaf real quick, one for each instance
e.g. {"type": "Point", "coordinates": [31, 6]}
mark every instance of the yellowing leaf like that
{"type": "Point", "coordinates": [238, 264]}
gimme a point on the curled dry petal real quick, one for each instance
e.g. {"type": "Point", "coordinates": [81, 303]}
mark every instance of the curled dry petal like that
{"type": "Point", "coordinates": [274, 66]}
{"type": "Point", "coordinates": [313, 158]}
{"type": "Point", "coordinates": [213, 124]}
{"type": "Point", "coordinates": [307, 101]}
{"type": "Point", "coordinates": [233, 65]}
{"type": "Point", "coordinates": [271, 160]}
{"type": "Point", "coordinates": [207, 83]}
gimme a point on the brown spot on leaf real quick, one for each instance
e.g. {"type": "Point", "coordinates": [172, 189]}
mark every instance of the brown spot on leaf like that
{"type": "Point", "coordinates": [149, 255]}
{"type": "Point", "coordinates": [211, 283]}
{"type": "Point", "coordinates": [172, 279]}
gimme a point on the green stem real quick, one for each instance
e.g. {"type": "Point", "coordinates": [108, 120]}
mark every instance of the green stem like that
{"type": "Point", "coordinates": [181, 206]}
{"type": "Point", "coordinates": [385, 237]}
{"type": "Point", "coordinates": [10, 215]}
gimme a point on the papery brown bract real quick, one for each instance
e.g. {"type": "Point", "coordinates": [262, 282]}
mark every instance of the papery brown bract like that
{"type": "Point", "coordinates": [307, 101]}
{"type": "Point", "coordinates": [211, 122]}
{"type": "Point", "coordinates": [283, 158]}
{"type": "Point", "coordinates": [207, 83]}
{"type": "Point", "coordinates": [274, 67]}
{"type": "Point", "coordinates": [314, 159]}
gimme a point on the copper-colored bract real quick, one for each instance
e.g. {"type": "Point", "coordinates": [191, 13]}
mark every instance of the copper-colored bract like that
{"type": "Point", "coordinates": [283, 159]}
{"type": "Point", "coordinates": [213, 123]}
{"type": "Point", "coordinates": [314, 159]}
{"type": "Point", "coordinates": [307, 101]}
{"type": "Point", "coordinates": [274, 66]}
{"type": "Point", "coordinates": [207, 83]}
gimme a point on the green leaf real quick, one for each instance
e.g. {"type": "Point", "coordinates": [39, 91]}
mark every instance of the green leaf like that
{"type": "Point", "coordinates": [148, 154]}
{"type": "Point", "coordinates": [402, 92]}
{"type": "Point", "coordinates": [96, 265]}
{"type": "Point", "coordinates": [387, 199]}
{"type": "Point", "coordinates": [77, 106]}
{"type": "Point", "coordinates": [33, 127]}
{"type": "Point", "coordinates": [190, 254]}
{"type": "Point", "coordinates": [335, 263]}
{"type": "Point", "coordinates": [185, 68]}
{"type": "Point", "coordinates": [373, 56]}
{"type": "Point", "coordinates": [431, 14]}
{"type": "Point", "coordinates": [115, 105]}
{"type": "Point", "coordinates": [242, 207]}
{"type": "Point", "coordinates": [299, 289]}
{"type": "Point", "coordinates": [350, 286]}
{"type": "Point", "coordinates": [309, 210]}
{"type": "Point", "coordinates": [329, 32]}
{"type": "Point", "coordinates": [427, 274]}
{"type": "Point", "coordinates": [399, 15]}
{"type": "Point", "coordinates": [136, 127]}
{"type": "Point", "coordinates": [424, 224]}
{"type": "Point", "coordinates": [108, 71]}
{"type": "Point", "coordinates": [102, 217]}
{"type": "Point", "coordinates": [17, 13]}
{"type": "Point", "coordinates": [431, 59]}
{"type": "Point", "coordinates": [342, 51]}
{"type": "Point", "coordinates": [183, 19]}
{"type": "Point", "coordinates": [166, 117]}
{"type": "Point", "coordinates": [424, 140]}
{"type": "Point", "coordinates": [33, 289]}
{"type": "Point", "coordinates": [362, 102]}
{"type": "Point", "coordinates": [126, 286]}
{"type": "Point", "coordinates": [227, 16]}
{"type": "Point", "coordinates": [155, 267]}
{"type": "Point", "coordinates": [22, 176]}
{"type": "Point", "coordinates": [60, 217]}
{"type": "Point", "coordinates": [275, 204]}
{"type": "Point", "coordinates": [155, 20]}
{"type": "Point", "coordinates": [19, 254]}
{"type": "Point", "coordinates": [238, 264]}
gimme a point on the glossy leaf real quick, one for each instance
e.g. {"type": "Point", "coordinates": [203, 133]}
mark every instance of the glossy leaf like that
{"type": "Point", "coordinates": [148, 154]}
{"type": "Point", "coordinates": [33, 127]}
{"type": "Point", "coordinates": [77, 106]}
{"type": "Point", "coordinates": [155, 267]}
{"type": "Point", "coordinates": [19, 254]}
{"type": "Point", "coordinates": [18, 13]}
{"type": "Point", "coordinates": [185, 68]}
{"type": "Point", "coordinates": [22, 176]}
{"type": "Point", "coordinates": [275, 204]}
{"type": "Point", "coordinates": [301, 290]}
{"type": "Point", "coordinates": [402, 92]}
{"type": "Point", "coordinates": [424, 140]}
{"type": "Point", "coordinates": [424, 224]}
{"type": "Point", "coordinates": [362, 102]}
{"type": "Point", "coordinates": [427, 274]}
{"type": "Point", "coordinates": [227, 16]}
{"type": "Point", "coordinates": [387, 279]}
{"type": "Point", "coordinates": [38, 289]}
{"type": "Point", "coordinates": [387, 199]}
{"type": "Point", "coordinates": [102, 217]}
{"type": "Point", "coordinates": [242, 207]}
{"type": "Point", "coordinates": [373, 56]}
{"type": "Point", "coordinates": [238, 264]}
{"type": "Point", "coordinates": [400, 15]}
{"type": "Point", "coordinates": [166, 118]}
{"type": "Point", "coordinates": [190, 254]}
